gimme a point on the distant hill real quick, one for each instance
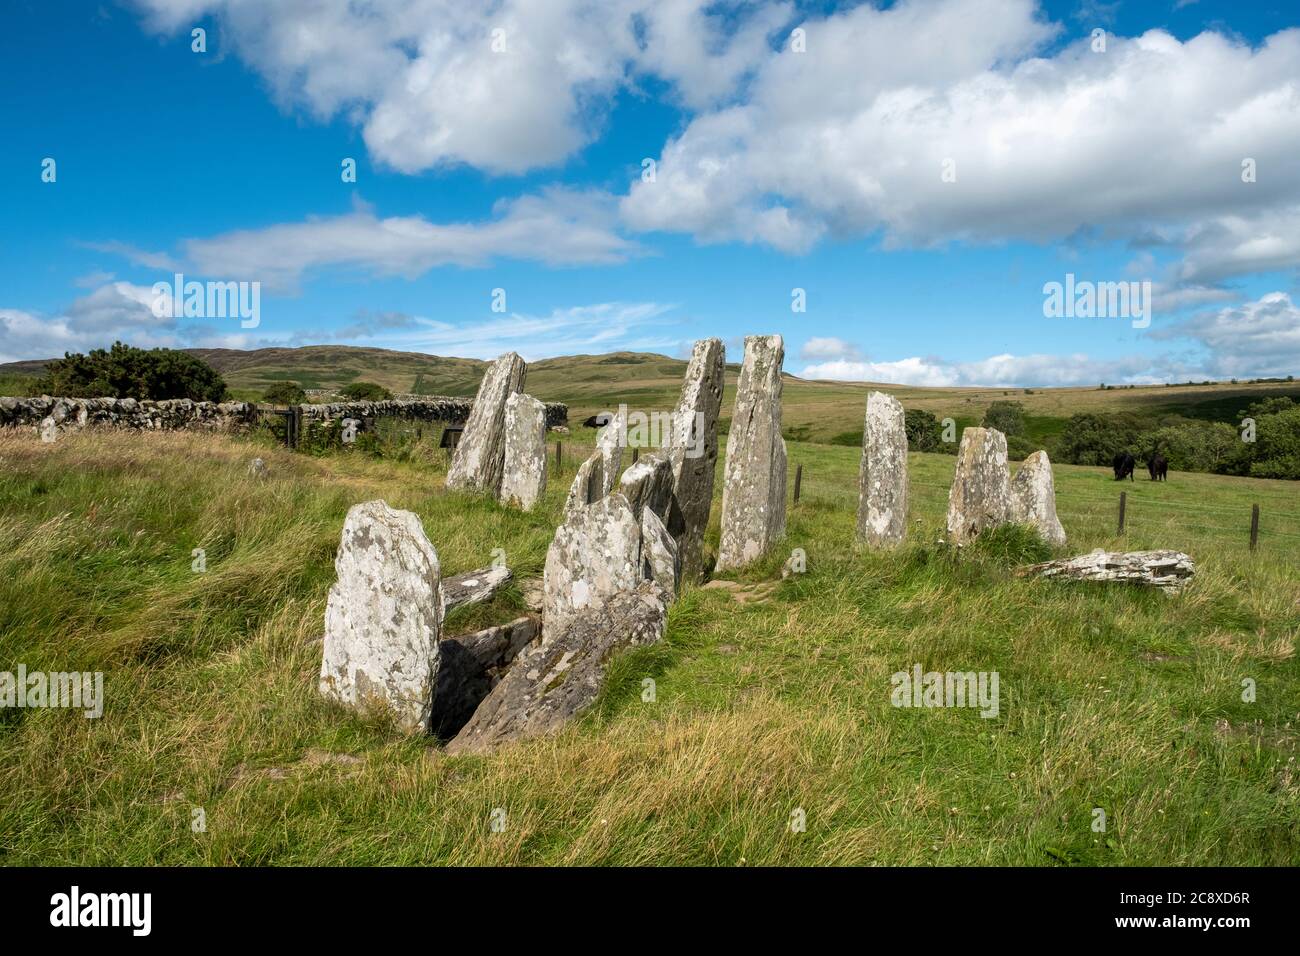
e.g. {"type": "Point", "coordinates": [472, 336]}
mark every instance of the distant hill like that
{"type": "Point", "coordinates": [812, 410]}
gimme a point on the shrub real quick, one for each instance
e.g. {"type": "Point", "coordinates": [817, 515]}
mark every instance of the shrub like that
{"type": "Point", "coordinates": [1276, 451]}
{"type": "Point", "coordinates": [1093, 439]}
{"type": "Point", "coordinates": [284, 393]}
{"type": "Point", "coordinates": [1199, 446]}
{"type": "Point", "coordinates": [128, 372]}
{"type": "Point", "coordinates": [923, 432]}
{"type": "Point", "coordinates": [365, 392]}
{"type": "Point", "coordinates": [1006, 417]}
{"type": "Point", "coordinates": [1019, 447]}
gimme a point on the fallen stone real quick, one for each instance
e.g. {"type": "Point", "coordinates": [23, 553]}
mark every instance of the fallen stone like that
{"type": "Point", "coordinates": [882, 476]}
{"type": "Point", "coordinates": [1167, 570]}
{"type": "Point", "coordinates": [753, 490]}
{"type": "Point", "coordinates": [694, 450]}
{"type": "Point", "coordinates": [473, 587]}
{"type": "Point", "coordinates": [479, 460]}
{"type": "Point", "coordinates": [523, 480]}
{"type": "Point", "coordinates": [383, 617]}
{"type": "Point", "coordinates": [980, 497]}
{"type": "Point", "coordinates": [595, 555]}
{"type": "Point", "coordinates": [555, 680]}
{"type": "Point", "coordinates": [470, 667]}
{"type": "Point", "coordinates": [1033, 499]}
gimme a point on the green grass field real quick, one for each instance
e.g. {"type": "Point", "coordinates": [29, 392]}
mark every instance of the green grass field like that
{"type": "Point", "coordinates": [1111, 697]}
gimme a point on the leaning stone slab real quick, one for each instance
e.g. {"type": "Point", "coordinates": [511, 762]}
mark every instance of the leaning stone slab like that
{"type": "Point", "coordinates": [554, 681]}
{"type": "Point", "coordinates": [694, 450]}
{"type": "Point", "coordinates": [648, 484]}
{"type": "Point", "coordinates": [980, 497]}
{"type": "Point", "coordinates": [523, 479]}
{"type": "Point", "coordinates": [1168, 570]}
{"type": "Point", "coordinates": [383, 617]}
{"type": "Point", "coordinates": [1033, 499]}
{"type": "Point", "coordinates": [473, 587]}
{"type": "Point", "coordinates": [753, 490]}
{"type": "Point", "coordinates": [660, 560]}
{"type": "Point", "coordinates": [595, 555]}
{"type": "Point", "coordinates": [882, 477]}
{"type": "Point", "coordinates": [479, 459]}
{"type": "Point", "coordinates": [471, 665]}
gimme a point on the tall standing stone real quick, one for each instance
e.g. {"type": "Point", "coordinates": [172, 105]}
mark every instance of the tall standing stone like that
{"type": "Point", "coordinates": [480, 457]}
{"type": "Point", "coordinates": [523, 479]}
{"type": "Point", "coordinates": [753, 489]}
{"type": "Point", "coordinates": [694, 450]}
{"type": "Point", "coordinates": [882, 477]}
{"type": "Point", "coordinates": [384, 615]}
{"type": "Point", "coordinates": [595, 554]}
{"type": "Point", "coordinates": [1033, 499]}
{"type": "Point", "coordinates": [980, 497]}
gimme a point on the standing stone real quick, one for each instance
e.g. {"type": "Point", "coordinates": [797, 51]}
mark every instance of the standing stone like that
{"type": "Point", "coordinates": [1033, 499]}
{"type": "Point", "coordinates": [882, 478]}
{"type": "Point", "coordinates": [980, 497]}
{"type": "Point", "coordinates": [597, 475]}
{"type": "Point", "coordinates": [479, 459]}
{"type": "Point", "coordinates": [694, 450]}
{"type": "Point", "coordinates": [49, 429]}
{"type": "Point", "coordinates": [553, 681]}
{"type": "Point", "coordinates": [383, 618]}
{"type": "Point", "coordinates": [660, 561]}
{"type": "Point", "coordinates": [648, 484]}
{"type": "Point", "coordinates": [595, 554]}
{"type": "Point", "coordinates": [257, 468]}
{"type": "Point", "coordinates": [753, 489]}
{"type": "Point", "coordinates": [524, 479]}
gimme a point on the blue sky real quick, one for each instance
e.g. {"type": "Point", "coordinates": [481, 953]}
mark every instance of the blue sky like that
{"type": "Point", "coordinates": [919, 169]}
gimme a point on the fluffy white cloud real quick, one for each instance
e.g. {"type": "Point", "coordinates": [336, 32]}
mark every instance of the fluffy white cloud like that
{"type": "Point", "coordinates": [506, 86]}
{"type": "Point", "coordinates": [558, 227]}
{"type": "Point", "coordinates": [1255, 339]}
{"type": "Point", "coordinates": [827, 347]}
{"type": "Point", "coordinates": [998, 371]}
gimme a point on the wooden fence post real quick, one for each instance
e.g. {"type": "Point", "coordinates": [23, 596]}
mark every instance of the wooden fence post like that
{"type": "Point", "coordinates": [636, 453]}
{"type": "Point", "coordinates": [559, 456]}
{"type": "Point", "coordinates": [798, 482]}
{"type": "Point", "coordinates": [1254, 526]}
{"type": "Point", "coordinates": [1123, 502]}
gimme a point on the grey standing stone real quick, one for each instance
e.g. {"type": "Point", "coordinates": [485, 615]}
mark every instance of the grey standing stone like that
{"type": "Point", "coordinates": [660, 562]}
{"type": "Point", "coordinates": [479, 459]}
{"type": "Point", "coordinates": [553, 681]}
{"type": "Point", "coordinates": [753, 490]}
{"type": "Point", "coordinates": [694, 450]}
{"type": "Point", "coordinates": [383, 617]}
{"type": "Point", "coordinates": [1033, 499]}
{"type": "Point", "coordinates": [648, 484]}
{"type": "Point", "coordinates": [49, 430]}
{"type": "Point", "coordinates": [595, 554]}
{"type": "Point", "coordinates": [523, 481]}
{"type": "Point", "coordinates": [882, 477]}
{"type": "Point", "coordinates": [980, 497]}
{"type": "Point", "coordinates": [597, 475]}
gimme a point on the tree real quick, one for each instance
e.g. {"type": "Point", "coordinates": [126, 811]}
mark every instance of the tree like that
{"type": "Point", "coordinates": [128, 372]}
{"type": "Point", "coordinates": [922, 429]}
{"type": "Point", "coordinates": [284, 393]}
{"type": "Point", "coordinates": [1093, 439]}
{"type": "Point", "coordinates": [365, 392]}
{"type": "Point", "coordinates": [1006, 417]}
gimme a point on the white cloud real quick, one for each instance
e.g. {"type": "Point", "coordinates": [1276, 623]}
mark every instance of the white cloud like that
{"type": "Point", "coordinates": [998, 371]}
{"type": "Point", "coordinates": [1255, 339]}
{"type": "Point", "coordinates": [827, 347]}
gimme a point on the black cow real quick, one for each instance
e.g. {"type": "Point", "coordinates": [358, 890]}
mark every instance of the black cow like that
{"type": "Point", "coordinates": [1158, 467]}
{"type": "Point", "coordinates": [1123, 466]}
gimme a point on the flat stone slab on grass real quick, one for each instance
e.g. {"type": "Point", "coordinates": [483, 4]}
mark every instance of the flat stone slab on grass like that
{"type": "Point", "coordinates": [1168, 570]}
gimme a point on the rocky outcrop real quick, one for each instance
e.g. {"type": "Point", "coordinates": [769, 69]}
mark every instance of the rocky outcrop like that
{"type": "Point", "coordinates": [753, 491]}
{"type": "Point", "coordinates": [980, 497]}
{"type": "Point", "coordinates": [882, 476]}
{"type": "Point", "coordinates": [1033, 499]}
{"type": "Point", "coordinates": [557, 679]}
{"type": "Point", "coordinates": [1169, 571]}
{"type": "Point", "coordinates": [384, 617]}
{"type": "Point", "coordinates": [694, 450]}
{"type": "Point", "coordinates": [523, 480]}
{"type": "Point", "coordinates": [479, 459]}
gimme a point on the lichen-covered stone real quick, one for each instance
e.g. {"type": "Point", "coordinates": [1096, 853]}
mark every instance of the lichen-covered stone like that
{"type": "Point", "coordinates": [694, 450]}
{"type": "Point", "coordinates": [980, 497]}
{"type": "Point", "coordinates": [882, 476]}
{"type": "Point", "coordinates": [383, 617]}
{"type": "Point", "coordinates": [1169, 571]}
{"type": "Point", "coordinates": [479, 459]}
{"type": "Point", "coordinates": [595, 554]}
{"type": "Point", "coordinates": [648, 483]}
{"type": "Point", "coordinates": [753, 490]}
{"type": "Point", "coordinates": [553, 681]}
{"type": "Point", "coordinates": [1033, 499]}
{"type": "Point", "coordinates": [597, 475]}
{"type": "Point", "coordinates": [470, 666]}
{"type": "Point", "coordinates": [523, 481]}
{"type": "Point", "coordinates": [660, 562]}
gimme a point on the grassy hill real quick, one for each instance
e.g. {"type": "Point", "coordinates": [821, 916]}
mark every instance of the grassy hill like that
{"type": "Point", "coordinates": [813, 410]}
{"type": "Point", "coordinates": [769, 701]}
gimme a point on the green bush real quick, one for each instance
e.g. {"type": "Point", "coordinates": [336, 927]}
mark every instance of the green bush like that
{"type": "Point", "coordinates": [128, 372]}
{"type": "Point", "coordinates": [1276, 451]}
{"type": "Point", "coordinates": [1006, 417]}
{"type": "Point", "coordinates": [1019, 447]}
{"type": "Point", "coordinates": [1094, 439]}
{"type": "Point", "coordinates": [365, 392]}
{"type": "Point", "coordinates": [284, 393]}
{"type": "Point", "coordinates": [923, 432]}
{"type": "Point", "coordinates": [1199, 446]}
